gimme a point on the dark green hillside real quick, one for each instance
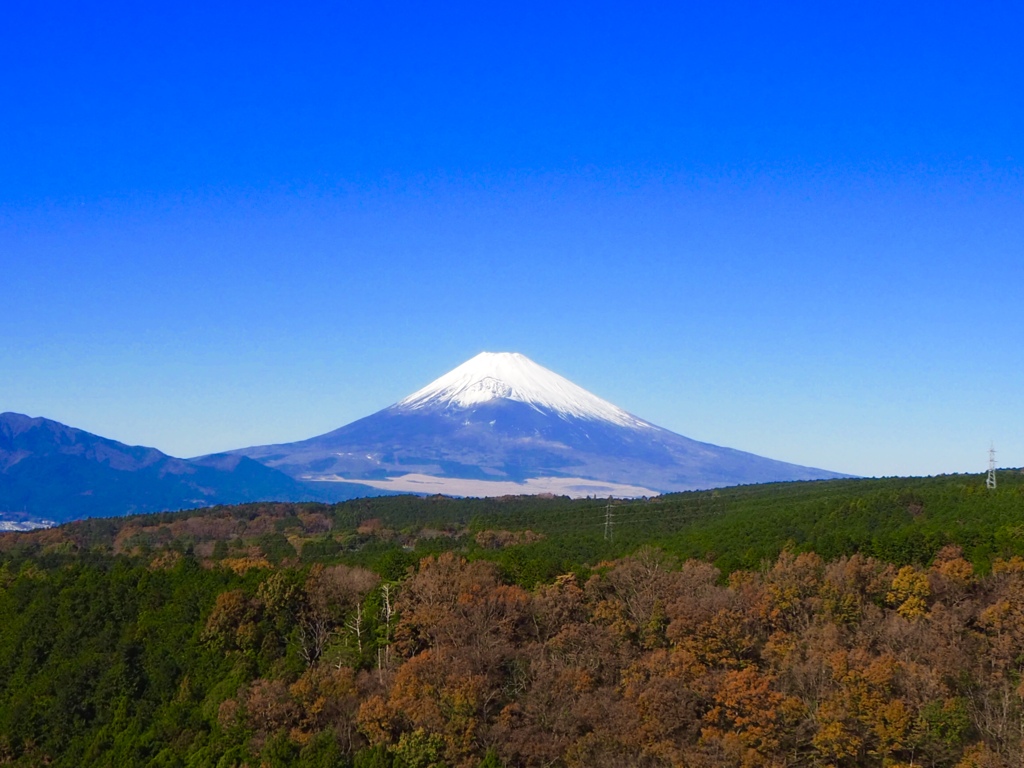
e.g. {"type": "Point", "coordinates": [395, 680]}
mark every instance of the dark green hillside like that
{"type": "Point", "coordinates": [899, 520]}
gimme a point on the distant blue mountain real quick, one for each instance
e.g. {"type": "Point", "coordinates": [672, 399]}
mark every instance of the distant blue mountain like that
{"type": "Point", "coordinates": [53, 472]}
{"type": "Point", "coordinates": [500, 422]}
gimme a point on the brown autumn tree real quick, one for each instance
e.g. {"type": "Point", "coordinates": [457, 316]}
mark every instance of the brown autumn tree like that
{"type": "Point", "coordinates": [329, 595]}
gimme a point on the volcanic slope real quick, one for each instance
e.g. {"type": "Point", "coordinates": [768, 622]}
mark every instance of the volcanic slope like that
{"type": "Point", "coordinates": [499, 424]}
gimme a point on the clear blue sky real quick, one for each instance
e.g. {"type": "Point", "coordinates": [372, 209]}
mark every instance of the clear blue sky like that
{"type": "Point", "coordinates": [797, 231]}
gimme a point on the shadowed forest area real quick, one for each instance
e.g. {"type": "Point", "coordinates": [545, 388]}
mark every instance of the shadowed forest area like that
{"type": "Point", "coordinates": [840, 623]}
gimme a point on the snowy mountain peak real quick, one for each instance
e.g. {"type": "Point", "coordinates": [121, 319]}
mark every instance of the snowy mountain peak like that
{"type": "Point", "coordinates": [511, 376]}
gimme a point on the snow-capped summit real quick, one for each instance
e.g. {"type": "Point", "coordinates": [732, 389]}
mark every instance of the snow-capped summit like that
{"type": "Point", "coordinates": [501, 424]}
{"type": "Point", "coordinates": [512, 376]}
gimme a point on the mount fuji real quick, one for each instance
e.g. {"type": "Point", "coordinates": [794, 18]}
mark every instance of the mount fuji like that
{"type": "Point", "coordinates": [502, 424]}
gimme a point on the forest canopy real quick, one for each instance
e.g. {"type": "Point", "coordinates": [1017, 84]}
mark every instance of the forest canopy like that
{"type": "Point", "coordinates": [846, 623]}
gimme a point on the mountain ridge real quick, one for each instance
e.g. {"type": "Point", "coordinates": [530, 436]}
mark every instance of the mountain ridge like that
{"type": "Point", "coordinates": [53, 472]}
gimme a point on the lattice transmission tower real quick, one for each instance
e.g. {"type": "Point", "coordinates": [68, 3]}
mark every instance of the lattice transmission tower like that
{"type": "Point", "coordinates": [990, 481]}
